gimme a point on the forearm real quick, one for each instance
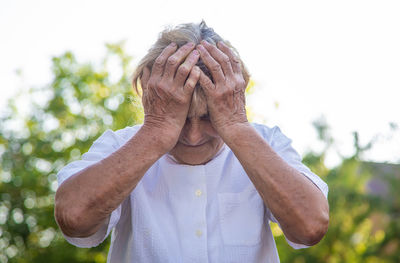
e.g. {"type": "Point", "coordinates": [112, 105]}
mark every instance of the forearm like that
{"type": "Point", "coordinates": [297, 204]}
{"type": "Point", "coordinates": [85, 201]}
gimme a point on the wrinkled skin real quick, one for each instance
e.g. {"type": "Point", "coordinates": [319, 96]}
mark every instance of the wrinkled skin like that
{"type": "Point", "coordinates": [226, 95]}
{"type": "Point", "coordinates": [168, 89]}
{"type": "Point", "coordinates": [166, 99]}
{"type": "Point", "coordinates": [299, 206]}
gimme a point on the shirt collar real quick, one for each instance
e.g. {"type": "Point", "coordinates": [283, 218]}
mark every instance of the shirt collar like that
{"type": "Point", "coordinates": [172, 159]}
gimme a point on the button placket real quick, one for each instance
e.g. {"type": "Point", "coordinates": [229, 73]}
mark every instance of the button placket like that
{"type": "Point", "coordinates": [200, 193]}
{"type": "Point", "coordinates": [198, 223]}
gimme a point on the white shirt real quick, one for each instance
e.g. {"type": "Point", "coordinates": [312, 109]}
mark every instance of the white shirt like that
{"type": "Point", "coordinates": [183, 213]}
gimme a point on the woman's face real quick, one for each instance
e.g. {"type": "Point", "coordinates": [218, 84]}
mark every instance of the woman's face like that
{"type": "Point", "coordinates": [198, 142]}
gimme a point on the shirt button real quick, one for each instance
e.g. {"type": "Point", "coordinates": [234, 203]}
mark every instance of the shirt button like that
{"type": "Point", "coordinates": [199, 233]}
{"type": "Point", "coordinates": [198, 192]}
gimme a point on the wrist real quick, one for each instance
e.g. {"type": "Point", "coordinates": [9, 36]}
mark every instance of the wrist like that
{"type": "Point", "coordinates": [163, 137]}
{"type": "Point", "coordinates": [233, 132]}
{"type": "Point", "coordinates": [225, 123]}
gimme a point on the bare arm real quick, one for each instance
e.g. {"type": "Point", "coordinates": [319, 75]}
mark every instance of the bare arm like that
{"type": "Point", "coordinates": [298, 205]}
{"type": "Point", "coordinates": [84, 202]}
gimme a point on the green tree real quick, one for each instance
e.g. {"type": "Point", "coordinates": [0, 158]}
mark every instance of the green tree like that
{"type": "Point", "coordinates": [363, 227]}
{"type": "Point", "coordinates": [83, 100]}
{"type": "Point", "coordinates": [64, 118]}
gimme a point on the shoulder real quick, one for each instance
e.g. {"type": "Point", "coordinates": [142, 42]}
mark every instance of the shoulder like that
{"type": "Point", "coordinates": [270, 134]}
{"type": "Point", "coordinates": [128, 132]}
{"type": "Point", "coordinates": [119, 137]}
{"type": "Point", "coordinates": [103, 146]}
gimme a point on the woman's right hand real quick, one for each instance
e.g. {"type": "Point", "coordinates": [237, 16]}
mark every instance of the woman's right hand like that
{"type": "Point", "coordinates": [167, 91]}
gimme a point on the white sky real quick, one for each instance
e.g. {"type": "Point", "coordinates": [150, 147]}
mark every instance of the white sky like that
{"type": "Point", "coordinates": [340, 59]}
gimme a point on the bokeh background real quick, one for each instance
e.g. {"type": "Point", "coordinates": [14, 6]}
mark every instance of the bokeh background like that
{"type": "Point", "coordinates": [326, 72]}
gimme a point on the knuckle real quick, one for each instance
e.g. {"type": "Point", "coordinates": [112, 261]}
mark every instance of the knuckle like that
{"type": "Point", "coordinates": [207, 82]}
{"type": "Point", "coordinates": [183, 70]}
{"type": "Point", "coordinates": [224, 92]}
{"type": "Point", "coordinates": [159, 61]}
{"type": "Point", "coordinates": [189, 84]}
{"type": "Point", "coordinates": [235, 59]}
{"type": "Point", "coordinates": [162, 85]}
{"type": "Point", "coordinates": [172, 61]}
{"type": "Point", "coordinates": [216, 67]}
{"type": "Point", "coordinates": [231, 85]}
{"type": "Point", "coordinates": [228, 95]}
{"type": "Point", "coordinates": [226, 59]}
{"type": "Point", "coordinates": [218, 94]}
{"type": "Point", "coordinates": [192, 59]}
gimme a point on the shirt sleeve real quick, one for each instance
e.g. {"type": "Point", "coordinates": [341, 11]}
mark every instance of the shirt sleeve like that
{"type": "Point", "coordinates": [105, 145]}
{"type": "Point", "coordinates": [283, 147]}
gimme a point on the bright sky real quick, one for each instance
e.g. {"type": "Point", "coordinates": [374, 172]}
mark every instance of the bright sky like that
{"type": "Point", "coordinates": [339, 59]}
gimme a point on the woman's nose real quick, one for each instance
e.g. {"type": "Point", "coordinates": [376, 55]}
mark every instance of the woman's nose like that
{"type": "Point", "coordinates": [194, 134]}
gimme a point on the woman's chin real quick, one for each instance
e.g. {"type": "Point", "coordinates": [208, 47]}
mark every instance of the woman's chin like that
{"type": "Point", "coordinates": [192, 160]}
{"type": "Point", "coordinates": [194, 155]}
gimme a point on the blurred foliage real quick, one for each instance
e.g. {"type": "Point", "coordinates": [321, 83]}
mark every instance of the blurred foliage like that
{"type": "Point", "coordinates": [60, 122]}
{"type": "Point", "coordinates": [364, 220]}
{"type": "Point", "coordinates": [55, 124]}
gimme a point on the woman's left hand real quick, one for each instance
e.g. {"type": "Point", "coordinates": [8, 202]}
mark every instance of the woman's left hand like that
{"type": "Point", "coordinates": [225, 95]}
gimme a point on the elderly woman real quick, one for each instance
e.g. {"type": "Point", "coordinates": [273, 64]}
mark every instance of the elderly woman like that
{"type": "Point", "coordinates": [196, 182]}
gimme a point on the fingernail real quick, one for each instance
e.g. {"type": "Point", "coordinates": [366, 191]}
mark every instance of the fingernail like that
{"type": "Point", "coordinates": [190, 44]}
{"type": "Point", "coordinates": [204, 42]}
{"type": "Point", "coordinates": [173, 44]}
{"type": "Point", "coordinates": [195, 52]}
{"type": "Point", "coordinates": [200, 47]}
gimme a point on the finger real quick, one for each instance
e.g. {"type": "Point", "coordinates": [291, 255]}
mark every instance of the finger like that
{"type": "Point", "coordinates": [191, 82]}
{"type": "Point", "coordinates": [233, 58]}
{"type": "Point", "coordinates": [186, 68]}
{"type": "Point", "coordinates": [222, 58]}
{"type": "Point", "coordinates": [176, 59]}
{"type": "Point", "coordinates": [205, 82]}
{"type": "Point", "coordinates": [211, 64]}
{"type": "Point", "coordinates": [159, 63]}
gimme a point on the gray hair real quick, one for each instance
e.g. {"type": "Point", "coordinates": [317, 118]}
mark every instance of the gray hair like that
{"type": "Point", "coordinates": [181, 35]}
